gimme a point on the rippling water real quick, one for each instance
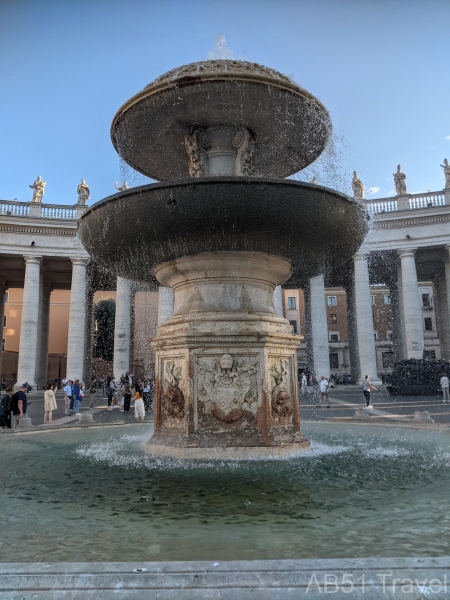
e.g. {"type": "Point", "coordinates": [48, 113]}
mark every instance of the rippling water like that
{"type": "Point", "coordinates": [92, 494]}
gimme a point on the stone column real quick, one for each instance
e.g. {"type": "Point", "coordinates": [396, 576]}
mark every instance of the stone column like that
{"type": "Point", "coordinates": [278, 300]}
{"type": "Point", "coordinates": [3, 288]}
{"type": "Point", "coordinates": [121, 362]}
{"type": "Point", "coordinates": [412, 309]}
{"type": "Point", "coordinates": [447, 290]}
{"type": "Point", "coordinates": [165, 304]}
{"type": "Point", "coordinates": [397, 345]}
{"type": "Point", "coordinates": [42, 358]}
{"type": "Point", "coordinates": [28, 345]}
{"type": "Point", "coordinates": [77, 320]}
{"type": "Point", "coordinates": [364, 321]}
{"type": "Point", "coordinates": [318, 327]}
{"type": "Point", "coordinates": [88, 345]}
{"type": "Point", "coordinates": [352, 331]}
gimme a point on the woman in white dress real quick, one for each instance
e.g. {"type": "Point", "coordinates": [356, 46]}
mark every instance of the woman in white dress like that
{"type": "Point", "coordinates": [49, 403]}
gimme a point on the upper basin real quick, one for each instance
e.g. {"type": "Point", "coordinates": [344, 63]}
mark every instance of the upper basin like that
{"type": "Point", "coordinates": [290, 126]}
{"type": "Point", "coordinates": [315, 228]}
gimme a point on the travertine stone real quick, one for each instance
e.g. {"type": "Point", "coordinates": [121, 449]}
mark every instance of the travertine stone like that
{"type": "Point", "coordinates": [412, 310]}
{"type": "Point", "coordinates": [28, 345]}
{"type": "Point", "coordinates": [122, 328]}
{"type": "Point", "coordinates": [364, 320]}
{"type": "Point", "coordinates": [165, 304]}
{"type": "Point", "coordinates": [77, 320]}
{"type": "Point", "coordinates": [278, 300]}
{"type": "Point", "coordinates": [3, 288]}
{"type": "Point", "coordinates": [317, 317]}
{"type": "Point", "coordinates": [225, 362]}
{"type": "Point", "coordinates": [42, 357]}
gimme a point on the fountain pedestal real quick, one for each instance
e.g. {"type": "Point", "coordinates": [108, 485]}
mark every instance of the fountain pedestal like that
{"type": "Point", "coordinates": [226, 363]}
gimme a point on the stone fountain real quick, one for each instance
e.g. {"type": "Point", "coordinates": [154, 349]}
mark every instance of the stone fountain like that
{"type": "Point", "coordinates": [222, 228]}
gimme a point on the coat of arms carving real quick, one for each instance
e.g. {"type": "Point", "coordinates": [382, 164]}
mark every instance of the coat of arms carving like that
{"type": "Point", "coordinates": [227, 390]}
{"type": "Point", "coordinates": [281, 398]}
{"type": "Point", "coordinates": [173, 397]}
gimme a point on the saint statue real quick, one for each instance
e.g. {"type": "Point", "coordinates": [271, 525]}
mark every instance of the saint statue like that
{"type": "Point", "coordinates": [357, 187]}
{"type": "Point", "coordinates": [83, 192]}
{"type": "Point", "coordinates": [399, 180]}
{"type": "Point", "coordinates": [446, 168]}
{"type": "Point", "coordinates": [314, 180]}
{"type": "Point", "coordinates": [123, 187]}
{"type": "Point", "coordinates": [39, 189]}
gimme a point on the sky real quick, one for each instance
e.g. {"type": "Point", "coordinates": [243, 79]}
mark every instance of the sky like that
{"type": "Point", "coordinates": [381, 67]}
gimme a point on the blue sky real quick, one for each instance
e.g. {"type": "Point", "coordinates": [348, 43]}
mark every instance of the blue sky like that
{"type": "Point", "coordinates": [381, 67]}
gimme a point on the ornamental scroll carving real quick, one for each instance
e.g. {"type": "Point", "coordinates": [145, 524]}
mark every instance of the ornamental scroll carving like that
{"type": "Point", "coordinates": [194, 150]}
{"type": "Point", "coordinates": [227, 390]}
{"type": "Point", "coordinates": [173, 398]}
{"type": "Point", "coordinates": [245, 144]}
{"type": "Point", "coordinates": [281, 398]}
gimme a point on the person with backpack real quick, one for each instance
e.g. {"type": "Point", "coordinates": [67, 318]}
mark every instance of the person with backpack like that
{"type": "Point", "coordinates": [5, 409]}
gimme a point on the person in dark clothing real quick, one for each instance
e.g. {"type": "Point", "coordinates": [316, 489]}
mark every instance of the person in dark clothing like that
{"type": "Point", "coordinates": [5, 414]}
{"type": "Point", "coordinates": [127, 403]}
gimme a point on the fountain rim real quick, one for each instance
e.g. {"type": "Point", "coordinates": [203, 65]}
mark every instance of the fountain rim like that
{"type": "Point", "coordinates": [164, 84]}
{"type": "Point", "coordinates": [211, 180]}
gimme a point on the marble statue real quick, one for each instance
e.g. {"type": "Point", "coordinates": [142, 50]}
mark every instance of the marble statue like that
{"type": "Point", "coordinates": [123, 187]}
{"type": "Point", "coordinates": [446, 168]}
{"type": "Point", "coordinates": [399, 180]}
{"type": "Point", "coordinates": [39, 189]}
{"type": "Point", "coordinates": [357, 187]}
{"type": "Point", "coordinates": [83, 192]}
{"type": "Point", "coordinates": [314, 180]}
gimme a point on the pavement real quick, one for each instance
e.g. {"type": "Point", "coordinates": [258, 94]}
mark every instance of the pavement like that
{"type": "Point", "coordinates": [344, 400]}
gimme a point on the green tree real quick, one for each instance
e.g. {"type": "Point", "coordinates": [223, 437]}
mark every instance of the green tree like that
{"type": "Point", "coordinates": [104, 316]}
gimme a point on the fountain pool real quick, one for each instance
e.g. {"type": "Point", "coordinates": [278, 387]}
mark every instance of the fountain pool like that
{"type": "Point", "coordinates": [94, 495]}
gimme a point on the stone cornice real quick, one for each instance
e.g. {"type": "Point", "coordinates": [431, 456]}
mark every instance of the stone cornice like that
{"type": "Point", "coordinates": [412, 222]}
{"type": "Point", "coordinates": [38, 229]}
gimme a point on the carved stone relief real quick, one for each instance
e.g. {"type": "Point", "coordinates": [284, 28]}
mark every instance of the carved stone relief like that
{"type": "Point", "coordinates": [193, 144]}
{"type": "Point", "coordinates": [172, 401]}
{"type": "Point", "coordinates": [227, 392]}
{"type": "Point", "coordinates": [282, 403]}
{"type": "Point", "coordinates": [244, 142]}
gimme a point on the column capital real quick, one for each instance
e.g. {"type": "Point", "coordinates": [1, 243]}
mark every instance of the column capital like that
{"type": "Point", "coordinates": [406, 252]}
{"type": "Point", "coordinates": [79, 261]}
{"type": "Point", "coordinates": [29, 258]}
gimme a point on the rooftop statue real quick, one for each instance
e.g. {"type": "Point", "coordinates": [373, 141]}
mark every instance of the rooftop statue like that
{"type": "Point", "coordinates": [357, 187]}
{"type": "Point", "coordinates": [122, 187]}
{"type": "Point", "coordinates": [39, 189]}
{"type": "Point", "coordinates": [399, 180]}
{"type": "Point", "coordinates": [446, 168]}
{"type": "Point", "coordinates": [83, 192]}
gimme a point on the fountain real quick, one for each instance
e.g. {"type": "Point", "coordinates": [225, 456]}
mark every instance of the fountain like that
{"type": "Point", "coordinates": [222, 228]}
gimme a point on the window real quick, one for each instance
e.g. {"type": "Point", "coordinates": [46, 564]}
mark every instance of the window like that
{"type": "Point", "coordinates": [3, 344]}
{"type": "Point", "coordinates": [332, 300]}
{"type": "Point", "coordinates": [387, 299]}
{"type": "Point", "coordinates": [429, 355]}
{"type": "Point", "coordinates": [334, 360]}
{"type": "Point", "coordinates": [294, 326]}
{"type": "Point", "coordinates": [375, 335]}
{"type": "Point", "coordinates": [291, 303]}
{"type": "Point", "coordinates": [372, 298]}
{"type": "Point", "coordinates": [426, 300]}
{"type": "Point", "coordinates": [333, 336]}
{"type": "Point", "coordinates": [333, 319]}
{"type": "Point", "coordinates": [389, 335]}
{"type": "Point", "coordinates": [4, 321]}
{"type": "Point", "coordinates": [6, 296]}
{"type": "Point", "coordinates": [428, 324]}
{"type": "Point", "coordinates": [388, 360]}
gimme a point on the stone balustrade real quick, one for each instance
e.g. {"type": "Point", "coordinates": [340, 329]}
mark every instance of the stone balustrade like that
{"type": "Point", "coordinates": [415, 201]}
{"type": "Point", "coordinates": [12, 208]}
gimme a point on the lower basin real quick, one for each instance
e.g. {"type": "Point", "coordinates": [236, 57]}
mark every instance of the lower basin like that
{"type": "Point", "coordinates": [93, 495]}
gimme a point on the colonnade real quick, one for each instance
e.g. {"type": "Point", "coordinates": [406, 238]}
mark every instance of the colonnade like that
{"type": "Point", "coordinates": [405, 303]}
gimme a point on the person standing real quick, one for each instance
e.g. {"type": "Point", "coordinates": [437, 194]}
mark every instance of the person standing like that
{"type": "Point", "coordinates": [367, 388]}
{"type": "Point", "coordinates": [5, 409]}
{"type": "Point", "coordinates": [444, 386]}
{"type": "Point", "coordinates": [18, 405]}
{"type": "Point", "coordinates": [127, 397]}
{"type": "Point", "coordinates": [139, 409]}
{"type": "Point", "coordinates": [49, 404]}
{"type": "Point", "coordinates": [67, 398]}
{"type": "Point", "coordinates": [110, 392]}
{"type": "Point", "coordinates": [146, 395]}
{"type": "Point", "coordinates": [323, 391]}
{"type": "Point", "coordinates": [304, 384]}
{"type": "Point", "coordinates": [76, 398]}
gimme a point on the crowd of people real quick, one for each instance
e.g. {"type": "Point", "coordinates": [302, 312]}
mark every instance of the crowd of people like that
{"type": "Point", "coordinates": [120, 394]}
